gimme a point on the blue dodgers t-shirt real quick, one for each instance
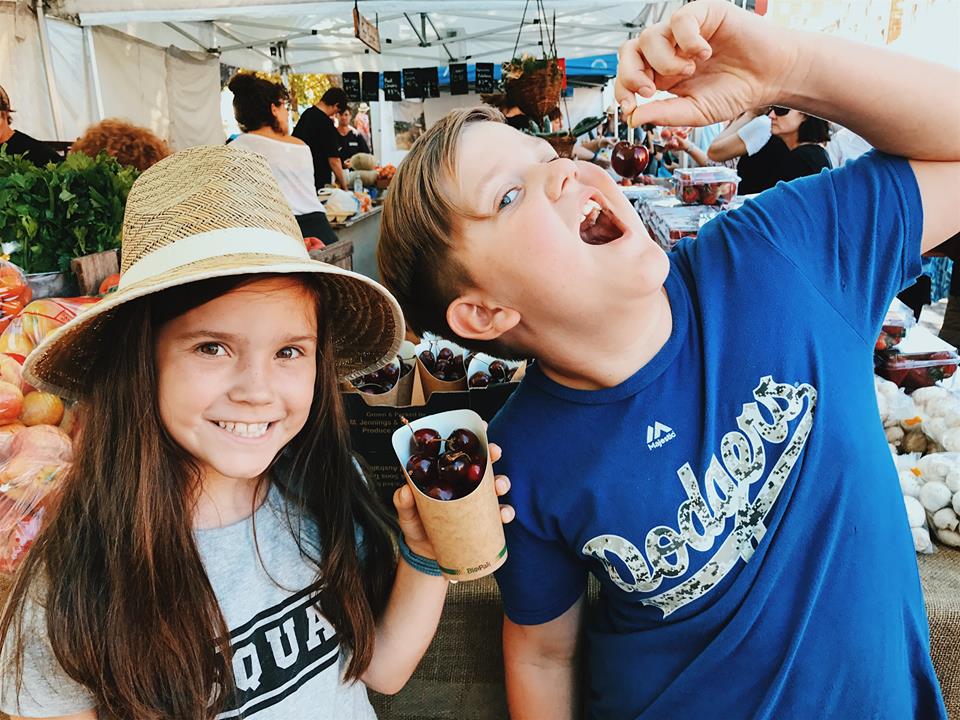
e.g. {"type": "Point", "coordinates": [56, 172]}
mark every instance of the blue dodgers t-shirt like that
{"type": "Point", "coordinates": [736, 497]}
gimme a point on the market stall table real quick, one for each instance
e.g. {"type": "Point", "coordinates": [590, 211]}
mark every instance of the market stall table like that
{"type": "Point", "coordinates": [363, 231]}
{"type": "Point", "coordinates": [667, 219]}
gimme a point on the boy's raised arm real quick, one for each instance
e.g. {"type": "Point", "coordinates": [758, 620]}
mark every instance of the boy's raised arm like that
{"type": "Point", "coordinates": [541, 664]}
{"type": "Point", "coordinates": [720, 60]}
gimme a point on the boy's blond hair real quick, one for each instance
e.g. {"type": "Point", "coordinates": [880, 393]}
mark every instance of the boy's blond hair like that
{"type": "Point", "coordinates": [419, 229]}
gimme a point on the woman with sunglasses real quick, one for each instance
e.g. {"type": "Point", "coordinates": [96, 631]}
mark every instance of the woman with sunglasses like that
{"type": "Point", "coordinates": [759, 154]}
{"type": "Point", "coordinates": [805, 137]}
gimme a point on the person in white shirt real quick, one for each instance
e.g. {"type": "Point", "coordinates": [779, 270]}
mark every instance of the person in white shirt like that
{"type": "Point", "coordinates": [262, 111]}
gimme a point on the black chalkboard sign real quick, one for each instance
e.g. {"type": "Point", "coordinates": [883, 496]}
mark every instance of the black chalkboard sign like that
{"type": "Point", "coordinates": [391, 87]}
{"type": "Point", "coordinates": [458, 79]}
{"type": "Point", "coordinates": [484, 78]}
{"type": "Point", "coordinates": [429, 79]}
{"type": "Point", "coordinates": [351, 86]}
{"type": "Point", "coordinates": [370, 86]}
{"type": "Point", "coordinates": [411, 84]}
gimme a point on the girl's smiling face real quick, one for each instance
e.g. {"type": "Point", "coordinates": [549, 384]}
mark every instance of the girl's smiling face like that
{"type": "Point", "coordinates": [236, 376]}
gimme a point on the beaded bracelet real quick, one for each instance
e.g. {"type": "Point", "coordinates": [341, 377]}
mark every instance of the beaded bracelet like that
{"type": "Point", "coordinates": [418, 562]}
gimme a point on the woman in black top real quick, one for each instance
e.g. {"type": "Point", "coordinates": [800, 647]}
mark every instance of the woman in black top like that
{"type": "Point", "coordinates": [18, 143]}
{"type": "Point", "coordinates": [804, 135]}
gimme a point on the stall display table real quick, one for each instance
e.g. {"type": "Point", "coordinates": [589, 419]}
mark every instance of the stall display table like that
{"type": "Point", "coordinates": [667, 220]}
{"type": "Point", "coordinates": [363, 231]}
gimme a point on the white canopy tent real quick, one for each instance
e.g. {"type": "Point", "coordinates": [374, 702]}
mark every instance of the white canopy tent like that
{"type": "Point", "coordinates": [156, 62]}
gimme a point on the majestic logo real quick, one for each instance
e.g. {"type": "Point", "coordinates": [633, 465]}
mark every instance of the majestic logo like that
{"type": "Point", "coordinates": [659, 435]}
{"type": "Point", "coordinates": [702, 517]}
{"type": "Point", "coordinates": [278, 651]}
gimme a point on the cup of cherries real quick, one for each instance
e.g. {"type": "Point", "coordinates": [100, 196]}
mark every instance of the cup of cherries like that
{"type": "Point", "coordinates": [446, 462]}
{"type": "Point", "coordinates": [445, 364]}
{"type": "Point", "coordinates": [485, 370]}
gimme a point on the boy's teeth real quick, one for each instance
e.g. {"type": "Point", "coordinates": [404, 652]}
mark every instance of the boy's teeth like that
{"type": "Point", "coordinates": [590, 207]}
{"type": "Point", "coordinates": [248, 430]}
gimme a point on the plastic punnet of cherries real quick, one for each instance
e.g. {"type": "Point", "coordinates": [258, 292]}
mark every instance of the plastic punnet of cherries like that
{"type": "Point", "coordinates": [446, 468]}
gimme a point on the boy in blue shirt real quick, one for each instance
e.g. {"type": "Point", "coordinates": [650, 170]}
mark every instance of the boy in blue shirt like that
{"type": "Point", "coordinates": [700, 431]}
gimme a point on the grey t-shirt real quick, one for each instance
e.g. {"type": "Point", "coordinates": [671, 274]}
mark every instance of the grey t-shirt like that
{"type": "Point", "coordinates": [287, 658]}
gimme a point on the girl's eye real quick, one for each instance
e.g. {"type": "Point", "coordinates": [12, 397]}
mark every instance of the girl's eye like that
{"type": "Point", "coordinates": [290, 353]}
{"type": "Point", "coordinates": [213, 349]}
{"type": "Point", "coordinates": [509, 197]}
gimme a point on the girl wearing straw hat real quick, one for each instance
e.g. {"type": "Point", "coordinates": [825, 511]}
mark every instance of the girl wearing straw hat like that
{"type": "Point", "coordinates": [216, 552]}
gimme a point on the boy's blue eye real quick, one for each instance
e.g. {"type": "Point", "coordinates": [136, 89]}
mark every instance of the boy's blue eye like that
{"type": "Point", "coordinates": [508, 198]}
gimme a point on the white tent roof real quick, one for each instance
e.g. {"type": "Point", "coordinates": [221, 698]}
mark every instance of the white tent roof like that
{"type": "Point", "coordinates": [318, 36]}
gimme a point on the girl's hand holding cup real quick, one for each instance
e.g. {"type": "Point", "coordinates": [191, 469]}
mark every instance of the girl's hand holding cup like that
{"type": "Point", "coordinates": [409, 518]}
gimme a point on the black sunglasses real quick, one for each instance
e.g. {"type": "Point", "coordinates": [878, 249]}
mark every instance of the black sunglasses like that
{"type": "Point", "coordinates": [777, 110]}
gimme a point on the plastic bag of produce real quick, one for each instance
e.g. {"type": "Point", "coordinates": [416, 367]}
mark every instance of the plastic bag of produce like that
{"type": "Point", "coordinates": [37, 320]}
{"type": "Point", "coordinates": [34, 462]}
{"type": "Point", "coordinates": [15, 293]}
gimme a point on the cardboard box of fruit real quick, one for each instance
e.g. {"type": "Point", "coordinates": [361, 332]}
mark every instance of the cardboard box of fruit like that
{"type": "Point", "coordinates": [445, 460]}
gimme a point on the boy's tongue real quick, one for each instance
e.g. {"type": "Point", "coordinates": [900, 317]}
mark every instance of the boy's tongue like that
{"type": "Point", "coordinates": [599, 228]}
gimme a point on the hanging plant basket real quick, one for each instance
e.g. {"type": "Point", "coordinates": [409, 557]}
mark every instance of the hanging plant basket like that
{"type": "Point", "coordinates": [563, 144]}
{"type": "Point", "coordinates": [537, 91]}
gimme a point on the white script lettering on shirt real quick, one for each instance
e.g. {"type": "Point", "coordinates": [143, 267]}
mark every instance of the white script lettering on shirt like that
{"type": "Point", "coordinates": [727, 481]}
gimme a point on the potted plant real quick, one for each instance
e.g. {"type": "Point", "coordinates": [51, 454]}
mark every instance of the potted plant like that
{"type": "Point", "coordinates": [53, 214]}
{"type": "Point", "coordinates": [533, 84]}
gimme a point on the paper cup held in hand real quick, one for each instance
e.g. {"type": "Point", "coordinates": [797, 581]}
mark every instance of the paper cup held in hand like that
{"type": "Point", "coordinates": [467, 533]}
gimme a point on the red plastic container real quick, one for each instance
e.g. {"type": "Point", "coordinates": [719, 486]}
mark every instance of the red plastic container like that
{"type": "Point", "coordinates": [916, 370]}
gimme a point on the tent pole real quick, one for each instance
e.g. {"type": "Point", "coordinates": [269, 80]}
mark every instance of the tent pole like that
{"type": "Point", "coordinates": [94, 72]}
{"type": "Point", "coordinates": [48, 68]}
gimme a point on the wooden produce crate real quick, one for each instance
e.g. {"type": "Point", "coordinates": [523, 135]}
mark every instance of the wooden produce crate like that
{"type": "Point", "coordinates": [339, 253]}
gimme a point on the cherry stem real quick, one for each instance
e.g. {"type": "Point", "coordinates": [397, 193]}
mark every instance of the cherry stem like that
{"type": "Point", "coordinates": [457, 455]}
{"type": "Point", "coordinates": [407, 423]}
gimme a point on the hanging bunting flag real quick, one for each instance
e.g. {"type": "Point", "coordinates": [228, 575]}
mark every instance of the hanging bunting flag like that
{"type": "Point", "coordinates": [562, 64]}
{"type": "Point", "coordinates": [351, 86]}
{"type": "Point", "coordinates": [429, 80]}
{"type": "Point", "coordinates": [370, 86]}
{"type": "Point", "coordinates": [391, 87]}
{"type": "Point", "coordinates": [459, 85]}
{"type": "Point", "coordinates": [411, 84]}
{"type": "Point", "coordinates": [484, 78]}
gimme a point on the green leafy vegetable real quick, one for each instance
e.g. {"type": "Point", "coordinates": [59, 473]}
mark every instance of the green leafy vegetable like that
{"type": "Point", "coordinates": [50, 215]}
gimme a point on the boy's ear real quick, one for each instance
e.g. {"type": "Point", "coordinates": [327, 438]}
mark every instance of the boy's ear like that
{"type": "Point", "coordinates": [470, 317]}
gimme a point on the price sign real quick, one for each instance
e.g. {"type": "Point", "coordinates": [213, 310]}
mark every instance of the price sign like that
{"type": "Point", "coordinates": [370, 86]}
{"type": "Point", "coordinates": [351, 86]}
{"type": "Point", "coordinates": [365, 31]}
{"type": "Point", "coordinates": [411, 84]}
{"type": "Point", "coordinates": [392, 87]}
{"type": "Point", "coordinates": [458, 79]}
{"type": "Point", "coordinates": [484, 80]}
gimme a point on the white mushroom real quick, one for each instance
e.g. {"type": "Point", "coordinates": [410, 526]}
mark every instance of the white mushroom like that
{"type": "Point", "coordinates": [951, 440]}
{"type": "Point", "coordinates": [915, 514]}
{"type": "Point", "coordinates": [956, 503]}
{"type": "Point", "coordinates": [952, 480]}
{"type": "Point", "coordinates": [894, 434]}
{"type": "Point", "coordinates": [921, 396]}
{"type": "Point", "coordinates": [921, 540]}
{"type": "Point", "coordinates": [945, 519]}
{"type": "Point", "coordinates": [935, 495]}
{"type": "Point", "coordinates": [935, 428]}
{"type": "Point", "coordinates": [938, 407]}
{"type": "Point", "coordinates": [948, 537]}
{"type": "Point", "coordinates": [935, 466]}
{"type": "Point", "coordinates": [910, 484]}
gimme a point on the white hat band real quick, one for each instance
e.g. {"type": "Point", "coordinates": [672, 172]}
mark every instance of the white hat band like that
{"type": "Point", "coordinates": [212, 244]}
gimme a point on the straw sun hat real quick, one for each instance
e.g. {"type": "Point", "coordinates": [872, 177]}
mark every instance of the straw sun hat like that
{"type": "Point", "coordinates": [216, 211]}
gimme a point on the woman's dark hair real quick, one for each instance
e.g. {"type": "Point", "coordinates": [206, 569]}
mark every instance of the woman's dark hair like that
{"type": "Point", "coordinates": [814, 130]}
{"type": "Point", "coordinates": [253, 98]}
{"type": "Point", "coordinates": [130, 612]}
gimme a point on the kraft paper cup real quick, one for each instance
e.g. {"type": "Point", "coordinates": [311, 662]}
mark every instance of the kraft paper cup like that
{"type": "Point", "coordinates": [467, 533]}
{"type": "Point", "coordinates": [431, 383]}
{"type": "Point", "coordinates": [481, 361]}
{"type": "Point", "coordinates": [398, 396]}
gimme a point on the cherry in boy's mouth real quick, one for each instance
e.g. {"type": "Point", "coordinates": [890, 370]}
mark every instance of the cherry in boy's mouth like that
{"type": "Point", "coordinates": [598, 224]}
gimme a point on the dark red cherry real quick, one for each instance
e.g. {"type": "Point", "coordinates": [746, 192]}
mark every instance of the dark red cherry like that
{"type": "Point", "coordinates": [405, 368]}
{"type": "Point", "coordinates": [428, 360]}
{"type": "Point", "coordinates": [463, 441]}
{"type": "Point", "coordinates": [372, 389]}
{"type": "Point", "coordinates": [453, 469]}
{"type": "Point", "coordinates": [390, 372]}
{"type": "Point", "coordinates": [438, 492]}
{"type": "Point", "coordinates": [475, 473]}
{"type": "Point", "coordinates": [479, 379]}
{"type": "Point", "coordinates": [498, 371]}
{"type": "Point", "coordinates": [423, 470]}
{"type": "Point", "coordinates": [427, 442]}
{"type": "Point", "coordinates": [445, 354]}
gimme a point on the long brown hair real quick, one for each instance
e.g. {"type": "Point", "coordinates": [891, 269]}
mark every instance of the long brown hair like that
{"type": "Point", "coordinates": [130, 612]}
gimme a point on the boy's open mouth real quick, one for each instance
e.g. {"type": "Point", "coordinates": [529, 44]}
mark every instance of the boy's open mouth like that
{"type": "Point", "coordinates": [598, 224]}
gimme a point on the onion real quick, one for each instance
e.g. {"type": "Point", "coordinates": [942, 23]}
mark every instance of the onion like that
{"type": "Point", "coordinates": [40, 408]}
